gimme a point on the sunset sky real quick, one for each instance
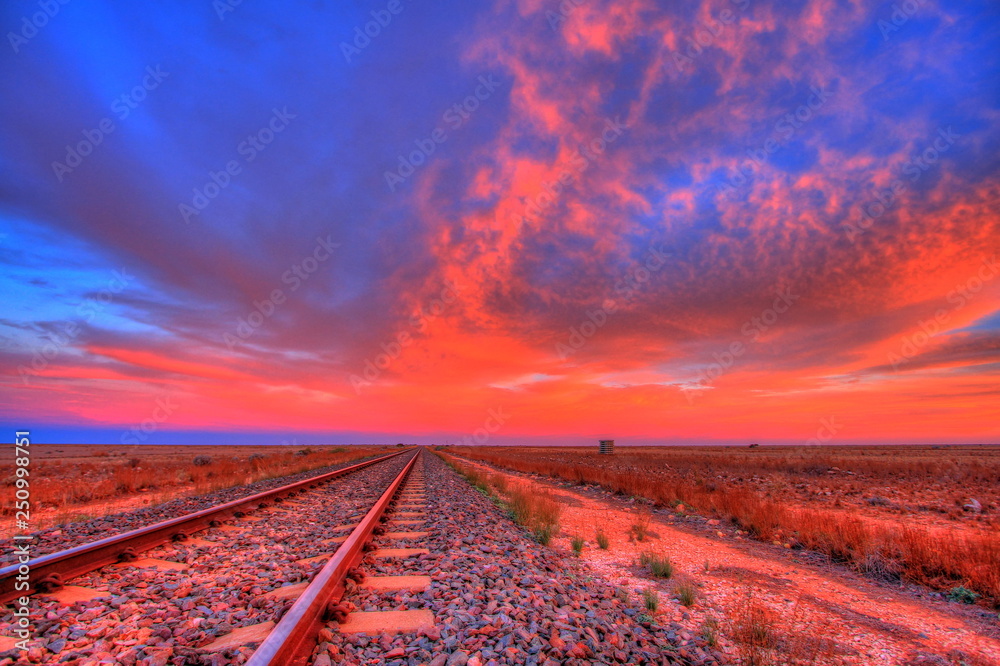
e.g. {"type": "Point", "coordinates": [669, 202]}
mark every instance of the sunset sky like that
{"type": "Point", "coordinates": [528, 221]}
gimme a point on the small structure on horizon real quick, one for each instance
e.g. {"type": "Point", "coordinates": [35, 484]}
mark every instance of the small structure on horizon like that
{"type": "Point", "coordinates": [607, 446]}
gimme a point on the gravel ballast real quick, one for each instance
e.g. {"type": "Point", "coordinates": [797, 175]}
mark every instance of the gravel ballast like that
{"type": "Point", "coordinates": [498, 598]}
{"type": "Point", "coordinates": [61, 537]}
{"type": "Point", "coordinates": [154, 617]}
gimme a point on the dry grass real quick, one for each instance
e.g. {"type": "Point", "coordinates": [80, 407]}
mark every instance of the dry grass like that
{"type": "Point", "coordinates": [763, 636]}
{"type": "Point", "coordinates": [754, 630]}
{"type": "Point", "coordinates": [539, 512]}
{"type": "Point", "coordinates": [660, 566]}
{"type": "Point", "coordinates": [640, 527]}
{"type": "Point", "coordinates": [941, 558]}
{"type": "Point", "coordinates": [687, 593]}
{"type": "Point", "coordinates": [534, 510]}
{"type": "Point", "coordinates": [710, 632]}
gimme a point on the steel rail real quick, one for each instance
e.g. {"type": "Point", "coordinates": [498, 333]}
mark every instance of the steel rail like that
{"type": "Point", "coordinates": [72, 562]}
{"type": "Point", "coordinates": [293, 639]}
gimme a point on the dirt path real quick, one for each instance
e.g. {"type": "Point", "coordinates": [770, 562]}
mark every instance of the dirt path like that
{"type": "Point", "coordinates": [816, 613]}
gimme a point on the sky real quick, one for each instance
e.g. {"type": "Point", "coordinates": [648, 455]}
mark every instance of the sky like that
{"type": "Point", "coordinates": [500, 222]}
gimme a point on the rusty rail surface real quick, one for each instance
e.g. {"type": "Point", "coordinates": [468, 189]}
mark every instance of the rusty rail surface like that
{"type": "Point", "coordinates": [293, 639]}
{"type": "Point", "coordinates": [66, 564]}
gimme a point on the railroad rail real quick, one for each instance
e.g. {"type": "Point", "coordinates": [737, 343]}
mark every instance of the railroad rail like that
{"type": "Point", "coordinates": [293, 639]}
{"type": "Point", "coordinates": [51, 571]}
{"type": "Point", "coordinates": [424, 569]}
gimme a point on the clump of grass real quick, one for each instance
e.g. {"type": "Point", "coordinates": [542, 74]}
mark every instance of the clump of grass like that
{"type": "Point", "coordinates": [537, 511]}
{"type": "Point", "coordinates": [687, 593]}
{"type": "Point", "coordinates": [660, 566]}
{"type": "Point", "coordinates": [603, 542]}
{"type": "Point", "coordinates": [577, 544]}
{"type": "Point", "coordinates": [475, 477]}
{"type": "Point", "coordinates": [651, 599]}
{"type": "Point", "coordinates": [710, 632]}
{"type": "Point", "coordinates": [201, 461]}
{"type": "Point", "coordinates": [755, 632]}
{"type": "Point", "coordinates": [499, 481]}
{"type": "Point", "coordinates": [640, 528]}
{"type": "Point", "coordinates": [544, 534]}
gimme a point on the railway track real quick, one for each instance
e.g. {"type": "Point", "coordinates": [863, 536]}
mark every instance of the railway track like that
{"type": "Point", "coordinates": [398, 561]}
{"type": "Point", "coordinates": [48, 571]}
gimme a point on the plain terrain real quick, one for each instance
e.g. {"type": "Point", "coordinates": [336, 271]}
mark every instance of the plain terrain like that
{"type": "Point", "coordinates": [79, 481]}
{"type": "Point", "coordinates": [923, 514]}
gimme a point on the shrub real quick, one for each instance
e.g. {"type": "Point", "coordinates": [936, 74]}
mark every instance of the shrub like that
{"type": "Point", "coordinates": [577, 544]}
{"type": "Point", "coordinates": [963, 595]}
{"type": "Point", "coordinates": [543, 534]}
{"type": "Point", "coordinates": [710, 632]}
{"type": "Point", "coordinates": [201, 461]}
{"type": "Point", "coordinates": [640, 528]}
{"type": "Point", "coordinates": [687, 593]}
{"type": "Point", "coordinates": [602, 540]}
{"type": "Point", "coordinates": [499, 481]}
{"type": "Point", "coordinates": [659, 565]}
{"type": "Point", "coordinates": [754, 632]}
{"type": "Point", "coordinates": [651, 599]}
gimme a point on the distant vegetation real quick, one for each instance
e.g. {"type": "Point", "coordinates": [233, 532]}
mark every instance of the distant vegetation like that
{"type": "Point", "coordinates": [820, 499]}
{"type": "Point", "coordinates": [536, 511]}
{"type": "Point", "coordinates": [76, 487]}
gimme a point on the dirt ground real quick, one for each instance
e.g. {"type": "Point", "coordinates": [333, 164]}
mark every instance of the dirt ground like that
{"type": "Point", "coordinates": [96, 453]}
{"type": "Point", "coordinates": [815, 612]}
